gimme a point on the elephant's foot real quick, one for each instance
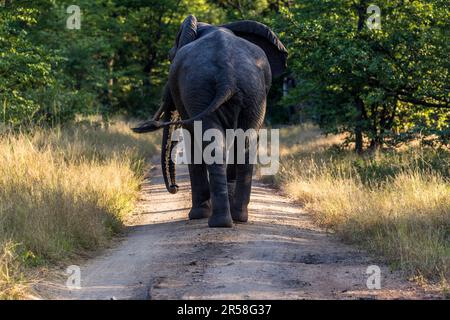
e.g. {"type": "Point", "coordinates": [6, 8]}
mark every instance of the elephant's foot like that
{"type": "Point", "coordinates": [239, 215]}
{"type": "Point", "coordinates": [200, 212]}
{"type": "Point", "coordinates": [220, 221]}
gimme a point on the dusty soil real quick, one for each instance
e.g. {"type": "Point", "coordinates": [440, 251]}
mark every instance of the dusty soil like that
{"type": "Point", "coordinates": [279, 254]}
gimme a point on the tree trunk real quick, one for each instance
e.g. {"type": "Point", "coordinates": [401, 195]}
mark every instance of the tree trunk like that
{"type": "Point", "coordinates": [111, 79]}
{"type": "Point", "coordinates": [359, 104]}
{"type": "Point", "coordinates": [148, 68]}
{"type": "Point", "coordinates": [359, 125]}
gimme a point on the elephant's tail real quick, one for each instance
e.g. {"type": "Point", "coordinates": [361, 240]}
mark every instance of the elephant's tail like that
{"type": "Point", "coordinates": [224, 93]}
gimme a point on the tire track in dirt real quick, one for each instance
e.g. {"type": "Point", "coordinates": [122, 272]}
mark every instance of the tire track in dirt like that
{"type": "Point", "coordinates": [279, 254]}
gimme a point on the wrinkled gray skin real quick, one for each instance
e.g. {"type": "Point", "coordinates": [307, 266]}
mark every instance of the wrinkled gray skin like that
{"type": "Point", "coordinates": [222, 79]}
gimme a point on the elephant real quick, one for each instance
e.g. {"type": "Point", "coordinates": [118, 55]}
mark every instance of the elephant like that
{"type": "Point", "coordinates": [219, 75]}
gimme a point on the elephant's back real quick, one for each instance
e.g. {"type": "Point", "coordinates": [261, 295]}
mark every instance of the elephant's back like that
{"type": "Point", "coordinates": [215, 59]}
{"type": "Point", "coordinates": [206, 57]}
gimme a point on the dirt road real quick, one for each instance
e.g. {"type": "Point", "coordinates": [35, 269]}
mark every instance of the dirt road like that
{"type": "Point", "coordinates": [279, 254]}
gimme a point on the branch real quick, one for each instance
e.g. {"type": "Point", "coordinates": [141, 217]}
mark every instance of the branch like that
{"type": "Point", "coordinates": [424, 103]}
{"type": "Point", "coordinates": [405, 96]}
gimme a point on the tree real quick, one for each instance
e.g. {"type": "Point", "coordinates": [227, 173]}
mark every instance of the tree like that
{"type": "Point", "coordinates": [360, 80]}
{"type": "Point", "coordinates": [22, 66]}
{"type": "Point", "coordinates": [116, 62]}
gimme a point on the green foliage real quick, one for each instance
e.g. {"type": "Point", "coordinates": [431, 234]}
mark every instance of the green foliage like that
{"type": "Point", "coordinates": [23, 66]}
{"type": "Point", "coordinates": [370, 83]}
{"type": "Point", "coordinates": [115, 63]}
{"type": "Point", "coordinates": [383, 87]}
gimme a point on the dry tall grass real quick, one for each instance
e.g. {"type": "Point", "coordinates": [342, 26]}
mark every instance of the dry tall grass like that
{"type": "Point", "coordinates": [63, 191]}
{"type": "Point", "coordinates": [396, 203]}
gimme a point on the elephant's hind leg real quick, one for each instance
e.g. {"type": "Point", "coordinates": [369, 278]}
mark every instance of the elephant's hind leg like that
{"type": "Point", "coordinates": [221, 215]}
{"type": "Point", "coordinates": [241, 199]}
{"type": "Point", "coordinates": [201, 204]}
{"type": "Point", "coordinates": [239, 208]}
{"type": "Point", "coordinates": [231, 178]}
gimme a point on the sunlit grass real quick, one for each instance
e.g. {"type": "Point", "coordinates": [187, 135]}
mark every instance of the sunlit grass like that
{"type": "Point", "coordinates": [63, 191]}
{"type": "Point", "coordinates": [395, 203]}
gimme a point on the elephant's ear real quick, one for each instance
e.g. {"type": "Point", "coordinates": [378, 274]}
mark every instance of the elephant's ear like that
{"type": "Point", "coordinates": [266, 39]}
{"type": "Point", "coordinates": [188, 31]}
